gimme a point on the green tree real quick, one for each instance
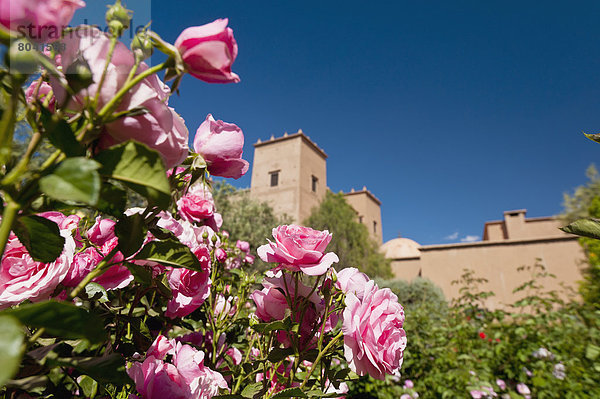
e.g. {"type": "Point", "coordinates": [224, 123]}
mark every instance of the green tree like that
{"type": "Point", "coordinates": [576, 205]}
{"type": "Point", "coordinates": [246, 218]}
{"type": "Point", "coordinates": [351, 240]}
{"type": "Point", "coordinates": [585, 203]}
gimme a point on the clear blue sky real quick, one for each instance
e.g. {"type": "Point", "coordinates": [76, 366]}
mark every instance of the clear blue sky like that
{"type": "Point", "coordinates": [449, 112]}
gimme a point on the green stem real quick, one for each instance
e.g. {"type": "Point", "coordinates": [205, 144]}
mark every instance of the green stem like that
{"type": "Point", "coordinates": [114, 102]}
{"type": "Point", "coordinates": [320, 356]}
{"type": "Point", "coordinates": [111, 50]}
{"type": "Point", "coordinates": [37, 334]}
{"type": "Point", "coordinates": [7, 124]}
{"type": "Point", "coordinates": [21, 167]}
{"type": "Point", "coordinates": [100, 268]}
{"type": "Point", "coordinates": [11, 210]}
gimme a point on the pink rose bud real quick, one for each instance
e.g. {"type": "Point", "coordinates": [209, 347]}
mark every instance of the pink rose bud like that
{"type": "Point", "coordinates": [40, 20]}
{"type": "Point", "coordinates": [220, 254]}
{"type": "Point", "coordinates": [221, 145]}
{"type": "Point", "coordinates": [243, 246]}
{"type": "Point", "coordinates": [208, 52]}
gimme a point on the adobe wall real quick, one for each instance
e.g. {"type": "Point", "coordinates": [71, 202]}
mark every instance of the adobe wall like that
{"type": "Point", "coordinates": [498, 262]}
{"type": "Point", "coordinates": [369, 212]}
{"type": "Point", "coordinates": [283, 156]}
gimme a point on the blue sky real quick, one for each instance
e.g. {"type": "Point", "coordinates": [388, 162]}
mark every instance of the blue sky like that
{"type": "Point", "coordinates": [449, 112]}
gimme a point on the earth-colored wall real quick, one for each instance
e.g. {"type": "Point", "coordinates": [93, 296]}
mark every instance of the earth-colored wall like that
{"type": "Point", "coordinates": [498, 262]}
{"type": "Point", "coordinates": [507, 245]}
{"type": "Point", "coordinates": [297, 159]}
{"type": "Point", "coordinates": [367, 207]}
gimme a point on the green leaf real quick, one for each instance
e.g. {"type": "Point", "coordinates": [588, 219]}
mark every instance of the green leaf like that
{"type": "Point", "coordinates": [40, 236]}
{"type": "Point", "coordinates": [250, 390]}
{"type": "Point", "coordinates": [290, 393]}
{"type": "Point", "coordinates": [131, 231]}
{"type": "Point", "coordinates": [592, 351]}
{"type": "Point", "coordinates": [89, 386]}
{"type": "Point", "coordinates": [96, 291]}
{"type": "Point", "coordinates": [61, 319]}
{"type": "Point", "coordinates": [141, 274]}
{"type": "Point", "coordinates": [140, 169]}
{"type": "Point", "coordinates": [106, 369]}
{"type": "Point", "coordinates": [584, 227]}
{"type": "Point", "coordinates": [162, 285]}
{"type": "Point", "coordinates": [11, 341]}
{"type": "Point", "coordinates": [263, 328]}
{"type": "Point", "coordinates": [278, 354]}
{"type": "Point", "coordinates": [60, 134]}
{"type": "Point", "coordinates": [593, 137]}
{"type": "Point", "coordinates": [170, 253]}
{"type": "Point", "coordinates": [112, 200]}
{"type": "Point", "coordinates": [74, 179]}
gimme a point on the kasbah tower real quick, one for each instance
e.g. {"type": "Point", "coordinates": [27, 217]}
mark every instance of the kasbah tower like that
{"type": "Point", "coordinates": [290, 173]}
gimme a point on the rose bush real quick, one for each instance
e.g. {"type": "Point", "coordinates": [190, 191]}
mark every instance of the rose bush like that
{"type": "Point", "coordinates": [104, 299]}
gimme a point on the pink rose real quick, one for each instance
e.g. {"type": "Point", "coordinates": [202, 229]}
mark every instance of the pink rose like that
{"type": "Point", "coordinates": [220, 254]}
{"type": "Point", "coordinates": [44, 94]}
{"type": "Point", "coordinates": [102, 234]}
{"type": "Point", "coordinates": [221, 145]}
{"type": "Point", "coordinates": [186, 377]}
{"type": "Point", "coordinates": [299, 248]}
{"type": "Point", "coordinates": [523, 389]}
{"type": "Point", "coordinates": [23, 278]}
{"type": "Point", "coordinates": [190, 288]}
{"type": "Point", "coordinates": [194, 208]}
{"type": "Point", "coordinates": [374, 340]}
{"type": "Point", "coordinates": [83, 263]}
{"type": "Point", "coordinates": [39, 20]}
{"type": "Point", "coordinates": [271, 304]}
{"type": "Point", "coordinates": [208, 52]}
{"type": "Point", "coordinates": [243, 246]}
{"type": "Point", "coordinates": [224, 306]}
{"type": "Point", "coordinates": [161, 128]}
{"type": "Point", "coordinates": [351, 280]}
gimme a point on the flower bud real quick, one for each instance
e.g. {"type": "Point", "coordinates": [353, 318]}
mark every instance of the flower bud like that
{"type": "Point", "coordinates": [142, 46]}
{"type": "Point", "coordinates": [204, 235]}
{"type": "Point", "coordinates": [79, 74]}
{"type": "Point", "coordinates": [118, 18]}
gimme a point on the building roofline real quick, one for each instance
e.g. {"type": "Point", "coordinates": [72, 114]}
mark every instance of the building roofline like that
{"type": "Point", "coordinates": [493, 243]}
{"type": "Point", "coordinates": [287, 136]}
{"type": "Point", "coordinates": [365, 191]}
{"type": "Point", "coordinates": [533, 219]}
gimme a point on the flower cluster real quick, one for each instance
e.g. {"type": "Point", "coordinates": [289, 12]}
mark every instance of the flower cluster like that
{"type": "Point", "coordinates": [184, 375]}
{"type": "Point", "coordinates": [372, 318]}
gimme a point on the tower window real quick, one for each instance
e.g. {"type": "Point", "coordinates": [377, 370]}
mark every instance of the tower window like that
{"type": "Point", "coordinates": [314, 184]}
{"type": "Point", "coordinates": [274, 178]}
{"type": "Point", "coordinates": [375, 227]}
{"type": "Point", "coordinates": [360, 219]}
